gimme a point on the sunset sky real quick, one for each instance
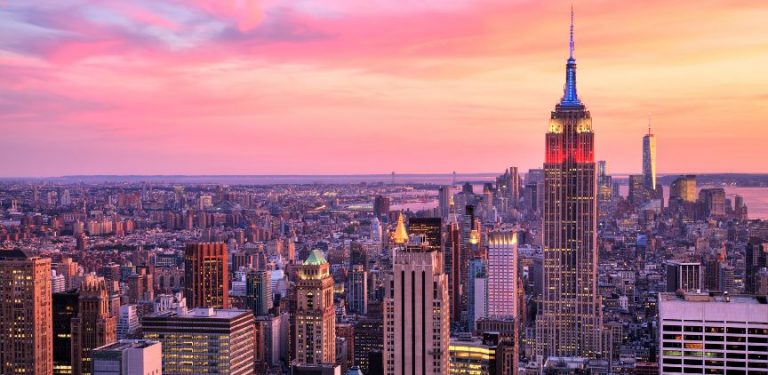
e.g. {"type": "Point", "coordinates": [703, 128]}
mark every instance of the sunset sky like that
{"type": "Point", "coordinates": [372, 86]}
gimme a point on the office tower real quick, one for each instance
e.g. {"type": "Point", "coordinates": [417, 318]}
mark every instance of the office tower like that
{"type": "Point", "coordinates": [683, 189]}
{"type": "Point", "coordinates": [376, 231]}
{"type": "Point", "coordinates": [26, 324]}
{"type": "Point", "coordinates": [713, 202]}
{"type": "Point", "coordinates": [756, 259]}
{"type": "Point", "coordinates": [128, 357]}
{"type": "Point", "coordinates": [357, 290]}
{"type": "Point", "coordinates": [430, 228]}
{"type": "Point", "coordinates": [649, 159]}
{"type": "Point", "coordinates": [712, 335]}
{"type": "Point", "coordinates": [381, 206]}
{"type": "Point", "coordinates": [685, 276]}
{"type": "Point", "coordinates": [94, 325]}
{"type": "Point", "coordinates": [127, 322]}
{"type": "Point", "coordinates": [472, 356]}
{"type": "Point", "coordinates": [420, 317]}
{"type": "Point", "coordinates": [267, 351]}
{"type": "Point", "coordinates": [65, 307]}
{"type": "Point", "coordinates": [569, 317]}
{"type": "Point", "coordinates": [203, 340]}
{"type": "Point", "coordinates": [357, 255]}
{"type": "Point", "coordinates": [206, 275]}
{"type": "Point", "coordinates": [445, 199]}
{"type": "Point", "coordinates": [368, 338]}
{"type": "Point", "coordinates": [638, 193]}
{"type": "Point", "coordinates": [315, 313]}
{"type": "Point", "coordinates": [502, 275]}
{"type": "Point", "coordinates": [604, 182]}
{"type": "Point", "coordinates": [452, 262]}
{"type": "Point", "coordinates": [258, 286]}
{"type": "Point", "coordinates": [477, 293]}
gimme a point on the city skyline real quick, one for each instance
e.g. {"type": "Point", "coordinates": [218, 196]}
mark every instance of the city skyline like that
{"type": "Point", "coordinates": [246, 87]}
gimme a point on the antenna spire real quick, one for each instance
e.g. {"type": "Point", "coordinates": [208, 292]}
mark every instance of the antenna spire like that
{"type": "Point", "coordinates": [649, 123]}
{"type": "Point", "coordinates": [571, 44]}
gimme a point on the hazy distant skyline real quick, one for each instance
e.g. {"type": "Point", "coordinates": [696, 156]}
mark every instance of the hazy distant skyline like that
{"type": "Point", "coordinates": [365, 87]}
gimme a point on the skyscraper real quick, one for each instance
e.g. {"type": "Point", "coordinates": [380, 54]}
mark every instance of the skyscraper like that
{"type": "Point", "coordinates": [65, 307]}
{"type": "Point", "coordinates": [502, 275]}
{"type": "Point", "coordinates": [755, 260]}
{"type": "Point", "coordinates": [420, 317]}
{"type": "Point", "coordinates": [258, 287]}
{"type": "Point", "coordinates": [206, 275]}
{"type": "Point", "coordinates": [357, 290]}
{"type": "Point", "coordinates": [381, 206]}
{"type": "Point", "coordinates": [315, 317]}
{"type": "Point", "coordinates": [94, 325]}
{"type": "Point", "coordinates": [649, 159]}
{"type": "Point", "coordinates": [570, 311]}
{"type": "Point", "coordinates": [25, 314]}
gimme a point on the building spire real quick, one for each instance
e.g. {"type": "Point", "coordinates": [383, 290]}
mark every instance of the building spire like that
{"type": "Point", "coordinates": [571, 44]}
{"type": "Point", "coordinates": [570, 98]}
{"type": "Point", "coordinates": [649, 123]}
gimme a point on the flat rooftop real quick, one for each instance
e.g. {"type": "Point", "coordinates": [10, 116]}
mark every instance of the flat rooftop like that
{"type": "Point", "coordinates": [127, 344]}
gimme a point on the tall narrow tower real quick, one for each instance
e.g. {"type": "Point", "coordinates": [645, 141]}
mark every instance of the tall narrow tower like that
{"type": "Point", "coordinates": [649, 159]}
{"type": "Point", "coordinates": [315, 315]}
{"type": "Point", "coordinates": [569, 319]}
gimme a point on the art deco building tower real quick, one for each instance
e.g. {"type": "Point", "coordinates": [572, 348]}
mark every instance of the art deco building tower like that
{"type": "Point", "coordinates": [94, 326]}
{"type": "Point", "coordinates": [315, 314]}
{"type": "Point", "coordinates": [569, 319]}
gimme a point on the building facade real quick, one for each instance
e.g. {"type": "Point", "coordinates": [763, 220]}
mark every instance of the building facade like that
{"type": "Point", "coordinates": [94, 325]}
{"type": "Point", "coordinates": [26, 323]}
{"type": "Point", "coordinates": [712, 335]}
{"type": "Point", "coordinates": [569, 317]}
{"type": "Point", "coordinates": [204, 340]}
{"type": "Point", "coordinates": [206, 275]}
{"type": "Point", "coordinates": [420, 312]}
{"type": "Point", "coordinates": [315, 318]}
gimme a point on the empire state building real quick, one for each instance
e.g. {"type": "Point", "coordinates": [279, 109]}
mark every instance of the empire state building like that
{"type": "Point", "coordinates": [570, 314]}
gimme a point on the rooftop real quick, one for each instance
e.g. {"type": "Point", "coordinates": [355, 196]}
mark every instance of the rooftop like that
{"type": "Point", "coordinates": [128, 344]}
{"type": "Point", "coordinates": [315, 258]}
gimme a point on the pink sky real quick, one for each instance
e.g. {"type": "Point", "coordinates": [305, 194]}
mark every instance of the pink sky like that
{"type": "Point", "coordinates": [349, 86]}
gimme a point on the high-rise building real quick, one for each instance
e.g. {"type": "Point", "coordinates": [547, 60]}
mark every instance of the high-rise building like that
{"type": "Point", "coordinates": [381, 206]}
{"type": "Point", "coordinates": [203, 340]}
{"type": "Point", "coordinates": [430, 227]}
{"type": "Point", "coordinates": [65, 307]}
{"type": "Point", "coordinates": [368, 338]}
{"type": "Point", "coordinates": [94, 325]}
{"type": "Point", "coordinates": [756, 259]}
{"type": "Point", "coordinates": [713, 202]}
{"type": "Point", "coordinates": [502, 275]}
{"type": "Point", "coordinates": [206, 275]}
{"type": "Point", "coordinates": [127, 322]}
{"type": "Point", "coordinates": [452, 266]}
{"type": "Point", "coordinates": [445, 199]}
{"type": "Point", "coordinates": [683, 189]}
{"type": "Point", "coordinates": [570, 311]}
{"type": "Point", "coordinates": [477, 293]}
{"type": "Point", "coordinates": [258, 286]}
{"type": "Point", "coordinates": [357, 290]}
{"type": "Point", "coordinates": [315, 318]}
{"type": "Point", "coordinates": [26, 324]}
{"type": "Point", "coordinates": [420, 315]}
{"type": "Point", "coordinates": [649, 159]}
{"type": "Point", "coordinates": [685, 276]}
{"type": "Point", "coordinates": [702, 334]}
{"type": "Point", "coordinates": [128, 357]}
